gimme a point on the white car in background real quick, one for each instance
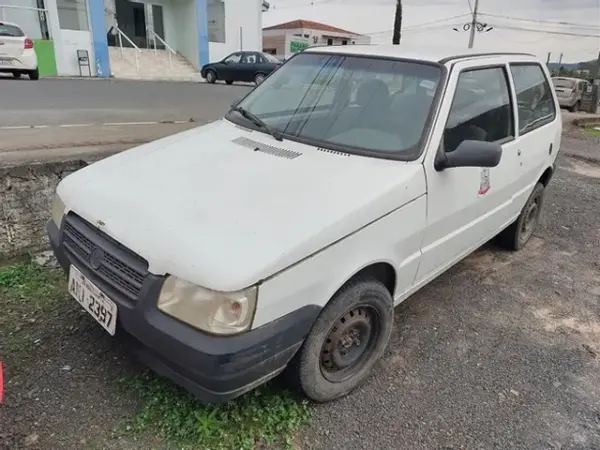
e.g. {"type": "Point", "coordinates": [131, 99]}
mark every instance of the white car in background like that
{"type": "Point", "coordinates": [17, 55]}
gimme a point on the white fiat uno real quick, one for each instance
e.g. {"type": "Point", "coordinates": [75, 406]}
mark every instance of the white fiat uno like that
{"type": "Point", "coordinates": [283, 235]}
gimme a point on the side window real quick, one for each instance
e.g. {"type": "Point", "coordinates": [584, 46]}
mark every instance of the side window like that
{"type": "Point", "coordinates": [534, 96]}
{"type": "Point", "coordinates": [249, 58]}
{"type": "Point", "coordinates": [481, 109]}
{"type": "Point", "coordinates": [234, 59]}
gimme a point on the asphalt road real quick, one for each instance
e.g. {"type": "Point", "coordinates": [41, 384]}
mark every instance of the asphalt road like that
{"type": "Point", "coordinates": [71, 101]}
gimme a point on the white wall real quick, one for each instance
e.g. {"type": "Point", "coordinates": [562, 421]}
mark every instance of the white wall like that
{"type": "Point", "coordinates": [26, 19]}
{"type": "Point", "coordinates": [70, 42]}
{"type": "Point", "coordinates": [246, 14]}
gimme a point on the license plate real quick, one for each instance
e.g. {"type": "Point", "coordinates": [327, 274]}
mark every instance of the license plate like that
{"type": "Point", "coordinates": [7, 62]}
{"type": "Point", "coordinates": [93, 300]}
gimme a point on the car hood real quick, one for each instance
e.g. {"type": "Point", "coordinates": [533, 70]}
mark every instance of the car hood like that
{"type": "Point", "coordinates": [225, 207]}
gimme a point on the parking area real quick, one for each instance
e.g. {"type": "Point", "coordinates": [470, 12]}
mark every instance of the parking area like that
{"type": "Point", "coordinates": [501, 352]}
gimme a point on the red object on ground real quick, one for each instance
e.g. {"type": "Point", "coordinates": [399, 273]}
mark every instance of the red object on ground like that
{"type": "Point", "coordinates": [1, 383]}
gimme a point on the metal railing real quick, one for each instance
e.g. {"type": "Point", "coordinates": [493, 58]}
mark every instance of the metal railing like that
{"type": "Point", "coordinates": [122, 35]}
{"type": "Point", "coordinates": [155, 37]}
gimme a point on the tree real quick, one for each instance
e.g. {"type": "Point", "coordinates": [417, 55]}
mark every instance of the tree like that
{"type": "Point", "coordinates": [397, 23]}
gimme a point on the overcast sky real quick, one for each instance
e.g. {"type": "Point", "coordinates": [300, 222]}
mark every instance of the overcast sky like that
{"type": "Point", "coordinates": [375, 17]}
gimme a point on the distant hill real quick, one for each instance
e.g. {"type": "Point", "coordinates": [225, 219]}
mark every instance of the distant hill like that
{"type": "Point", "coordinates": [583, 65]}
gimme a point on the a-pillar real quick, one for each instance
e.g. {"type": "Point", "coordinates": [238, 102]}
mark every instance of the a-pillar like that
{"type": "Point", "coordinates": [202, 26]}
{"type": "Point", "coordinates": [99, 41]}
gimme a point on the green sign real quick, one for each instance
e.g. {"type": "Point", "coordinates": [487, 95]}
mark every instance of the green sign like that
{"type": "Point", "coordinates": [298, 46]}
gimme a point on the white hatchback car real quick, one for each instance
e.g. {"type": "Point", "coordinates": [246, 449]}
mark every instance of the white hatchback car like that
{"type": "Point", "coordinates": [17, 55]}
{"type": "Point", "coordinates": [283, 235]}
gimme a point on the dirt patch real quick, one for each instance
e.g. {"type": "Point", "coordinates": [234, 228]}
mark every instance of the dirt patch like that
{"type": "Point", "coordinates": [587, 169]}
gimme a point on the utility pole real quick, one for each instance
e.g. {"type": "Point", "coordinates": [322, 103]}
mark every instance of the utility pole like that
{"type": "Point", "coordinates": [473, 24]}
{"type": "Point", "coordinates": [548, 59]}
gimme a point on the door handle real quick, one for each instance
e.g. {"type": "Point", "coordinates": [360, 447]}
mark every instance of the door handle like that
{"type": "Point", "coordinates": [519, 152]}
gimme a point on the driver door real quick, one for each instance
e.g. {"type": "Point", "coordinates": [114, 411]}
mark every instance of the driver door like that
{"type": "Point", "coordinates": [467, 206]}
{"type": "Point", "coordinates": [230, 67]}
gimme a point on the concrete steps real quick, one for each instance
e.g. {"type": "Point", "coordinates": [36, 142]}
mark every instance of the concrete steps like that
{"type": "Point", "coordinates": [153, 65]}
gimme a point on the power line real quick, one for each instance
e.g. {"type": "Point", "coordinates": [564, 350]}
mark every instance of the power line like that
{"type": "Point", "coordinates": [522, 19]}
{"type": "Point", "coordinates": [534, 30]}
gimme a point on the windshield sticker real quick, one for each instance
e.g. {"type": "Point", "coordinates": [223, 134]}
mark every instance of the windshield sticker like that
{"type": "Point", "coordinates": [484, 184]}
{"type": "Point", "coordinates": [427, 84]}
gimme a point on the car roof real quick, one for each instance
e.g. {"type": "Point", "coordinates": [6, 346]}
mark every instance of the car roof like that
{"type": "Point", "coordinates": [435, 55]}
{"type": "Point", "coordinates": [4, 22]}
{"type": "Point", "coordinates": [568, 78]}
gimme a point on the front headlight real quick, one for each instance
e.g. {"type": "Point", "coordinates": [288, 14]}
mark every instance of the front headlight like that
{"type": "Point", "coordinates": [58, 210]}
{"type": "Point", "coordinates": [211, 311]}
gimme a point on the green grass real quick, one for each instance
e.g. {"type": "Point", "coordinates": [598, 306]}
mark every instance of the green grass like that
{"type": "Point", "coordinates": [27, 290]}
{"type": "Point", "coordinates": [593, 131]}
{"type": "Point", "coordinates": [267, 415]}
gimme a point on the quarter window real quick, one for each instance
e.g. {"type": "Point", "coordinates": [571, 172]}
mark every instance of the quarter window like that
{"type": "Point", "coordinates": [481, 109]}
{"type": "Point", "coordinates": [534, 97]}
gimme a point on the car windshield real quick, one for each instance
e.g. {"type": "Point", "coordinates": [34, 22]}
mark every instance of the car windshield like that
{"type": "Point", "coordinates": [364, 105]}
{"type": "Point", "coordinates": [563, 83]}
{"type": "Point", "coordinates": [10, 30]}
{"type": "Point", "coordinates": [271, 58]}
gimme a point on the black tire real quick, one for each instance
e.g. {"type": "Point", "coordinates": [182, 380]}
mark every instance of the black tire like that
{"type": "Point", "coordinates": [259, 78]}
{"type": "Point", "coordinates": [364, 304]}
{"type": "Point", "coordinates": [16, 74]}
{"type": "Point", "coordinates": [229, 82]}
{"type": "Point", "coordinates": [575, 107]}
{"type": "Point", "coordinates": [520, 232]}
{"type": "Point", "coordinates": [211, 76]}
{"type": "Point", "coordinates": [34, 74]}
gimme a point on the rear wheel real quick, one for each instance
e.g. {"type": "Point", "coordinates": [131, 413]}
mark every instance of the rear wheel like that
{"type": "Point", "coordinates": [347, 339]}
{"type": "Point", "coordinates": [230, 82]}
{"type": "Point", "coordinates": [520, 232]}
{"type": "Point", "coordinates": [16, 74]}
{"type": "Point", "coordinates": [211, 77]}
{"type": "Point", "coordinates": [259, 78]}
{"type": "Point", "coordinates": [576, 107]}
{"type": "Point", "coordinates": [34, 74]}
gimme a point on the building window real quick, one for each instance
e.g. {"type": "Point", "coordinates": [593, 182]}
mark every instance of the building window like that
{"type": "Point", "coordinates": [72, 15]}
{"type": "Point", "coordinates": [329, 41]}
{"type": "Point", "coordinates": [216, 20]}
{"type": "Point", "coordinates": [344, 42]}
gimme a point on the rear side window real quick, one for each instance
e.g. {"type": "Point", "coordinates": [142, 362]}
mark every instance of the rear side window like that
{"type": "Point", "coordinates": [481, 108]}
{"type": "Point", "coordinates": [10, 31]}
{"type": "Point", "coordinates": [534, 97]}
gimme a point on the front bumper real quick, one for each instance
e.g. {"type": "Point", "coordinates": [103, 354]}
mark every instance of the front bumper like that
{"type": "Point", "coordinates": [213, 368]}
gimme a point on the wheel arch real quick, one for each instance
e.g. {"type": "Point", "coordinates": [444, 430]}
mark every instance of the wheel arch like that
{"type": "Point", "coordinates": [546, 176]}
{"type": "Point", "coordinates": [382, 271]}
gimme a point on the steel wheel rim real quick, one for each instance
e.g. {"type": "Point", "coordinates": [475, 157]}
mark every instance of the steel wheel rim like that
{"type": "Point", "coordinates": [349, 343]}
{"type": "Point", "coordinates": [530, 219]}
{"type": "Point", "coordinates": [260, 79]}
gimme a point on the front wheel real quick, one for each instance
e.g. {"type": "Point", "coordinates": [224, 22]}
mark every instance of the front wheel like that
{"type": "Point", "coordinates": [16, 74]}
{"type": "Point", "coordinates": [347, 339]}
{"type": "Point", "coordinates": [211, 77]}
{"type": "Point", "coordinates": [34, 74]}
{"type": "Point", "coordinates": [520, 232]}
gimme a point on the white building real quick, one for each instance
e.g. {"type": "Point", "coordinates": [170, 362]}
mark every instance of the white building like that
{"type": "Point", "coordinates": [285, 39]}
{"type": "Point", "coordinates": [186, 32]}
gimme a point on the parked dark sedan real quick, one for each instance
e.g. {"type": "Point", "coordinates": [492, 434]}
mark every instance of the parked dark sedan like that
{"type": "Point", "coordinates": [241, 66]}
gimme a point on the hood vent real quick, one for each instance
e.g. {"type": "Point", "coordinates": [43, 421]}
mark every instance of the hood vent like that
{"type": "Point", "coordinates": [265, 148]}
{"type": "Point", "coordinates": [333, 152]}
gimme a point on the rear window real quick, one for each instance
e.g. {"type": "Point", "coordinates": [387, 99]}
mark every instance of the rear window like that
{"type": "Point", "coordinates": [563, 83]}
{"type": "Point", "coordinates": [10, 31]}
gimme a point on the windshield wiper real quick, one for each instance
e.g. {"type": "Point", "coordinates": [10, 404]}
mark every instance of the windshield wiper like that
{"type": "Point", "coordinates": [258, 122]}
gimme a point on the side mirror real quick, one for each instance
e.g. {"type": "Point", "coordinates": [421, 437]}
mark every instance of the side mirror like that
{"type": "Point", "coordinates": [470, 154]}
